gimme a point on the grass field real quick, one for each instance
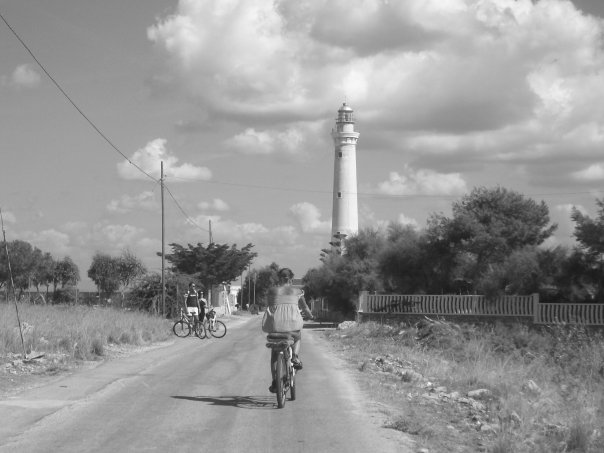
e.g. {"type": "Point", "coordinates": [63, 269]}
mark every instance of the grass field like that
{"type": "Point", "coordinates": [535, 390]}
{"type": "Point", "coordinates": [75, 332]}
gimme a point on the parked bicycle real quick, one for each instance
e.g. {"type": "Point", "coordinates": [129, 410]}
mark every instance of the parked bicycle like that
{"type": "Point", "coordinates": [213, 326]}
{"type": "Point", "coordinates": [185, 325]}
{"type": "Point", "coordinates": [282, 366]}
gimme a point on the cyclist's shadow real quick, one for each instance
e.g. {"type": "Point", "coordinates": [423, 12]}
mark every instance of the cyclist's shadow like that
{"type": "Point", "coordinates": [244, 402]}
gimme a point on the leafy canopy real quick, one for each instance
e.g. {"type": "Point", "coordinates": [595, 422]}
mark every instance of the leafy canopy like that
{"type": "Point", "coordinates": [212, 264]}
{"type": "Point", "coordinates": [590, 232]}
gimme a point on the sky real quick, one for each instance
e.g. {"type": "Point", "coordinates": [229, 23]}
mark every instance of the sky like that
{"type": "Point", "coordinates": [237, 98]}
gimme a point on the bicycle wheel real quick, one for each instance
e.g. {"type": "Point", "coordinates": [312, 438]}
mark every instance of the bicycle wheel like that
{"type": "Point", "coordinates": [218, 330]}
{"type": "Point", "coordinates": [280, 378]}
{"type": "Point", "coordinates": [181, 329]}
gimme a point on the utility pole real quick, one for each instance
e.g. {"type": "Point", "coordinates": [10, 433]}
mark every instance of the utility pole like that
{"type": "Point", "coordinates": [163, 247]}
{"type": "Point", "coordinates": [249, 285]}
{"type": "Point", "coordinates": [210, 230]}
{"type": "Point", "coordinates": [241, 293]}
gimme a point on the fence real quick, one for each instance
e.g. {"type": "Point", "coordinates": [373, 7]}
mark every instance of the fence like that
{"type": "Point", "coordinates": [587, 314]}
{"type": "Point", "coordinates": [480, 306]}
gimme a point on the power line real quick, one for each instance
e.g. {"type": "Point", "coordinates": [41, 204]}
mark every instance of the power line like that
{"type": "Point", "coordinates": [92, 124]}
{"type": "Point", "coordinates": [364, 194]}
{"type": "Point", "coordinates": [252, 186]}
{"type": "Point", "coordinates": [187, 216]}
{"type": "Point", "coordinates": [79, 110]}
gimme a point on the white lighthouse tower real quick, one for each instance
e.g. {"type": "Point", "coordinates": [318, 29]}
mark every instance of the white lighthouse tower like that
{"type": "Point", "coordinates": [345, 215]}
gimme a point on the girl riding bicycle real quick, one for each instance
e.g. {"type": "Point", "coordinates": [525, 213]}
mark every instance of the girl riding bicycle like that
{"type": "Point", "coordinates": [283, 315]}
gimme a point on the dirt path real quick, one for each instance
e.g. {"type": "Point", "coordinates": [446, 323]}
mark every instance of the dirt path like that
{"type": "Point", "coordinates": [212, 392]}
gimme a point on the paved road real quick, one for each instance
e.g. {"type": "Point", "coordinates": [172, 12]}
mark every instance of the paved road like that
{"type": "Point", "coordinates": [196, 395]}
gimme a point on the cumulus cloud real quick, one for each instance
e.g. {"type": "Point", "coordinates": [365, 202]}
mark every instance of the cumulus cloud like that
{"type": "Point", "coordinates": [8, 217]}
{"type": "Point", "coordinates": [143, 201]}
{"type": "Point", "coordinates": [567, 209]}
{"type": "Point", "coordinates": [290, 140]}
{"type": "Point", "coordinates": [118, 234]}
{"type": "Point", "coordinates": [422, 182]}
{"type": "Point", "coordinates": [104, 236]}
{"type": "Point", "coordinates": [149, 160]}
{"type": "Point", "coordinates": [308, 218]}
{"type": "Point", "coordinates": [50, 240]}
{"type": "Point", "coordinates": [404, 220]}
{"type": "Point", "coordinates": [24, 76]}
{"type": "Point", "coordinates": [215, 205]}
{"type": "Point", "coordinates": [594, 172]}
{"type": "Point", "coordinates": [230, 231]}
{"type": "Point", "coordinates": [500, 80]}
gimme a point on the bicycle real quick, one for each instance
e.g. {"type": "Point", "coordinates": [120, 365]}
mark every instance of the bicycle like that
{"type": "Point", "coordinates": [184, 326]}
{"type": "Point", "coordinates": [215, 327]}
{"type": "Point", "coordinates": [282, 366]}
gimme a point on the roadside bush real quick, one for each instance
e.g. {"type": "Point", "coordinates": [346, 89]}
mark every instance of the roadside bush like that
{"type": "Point", "coordinates": [64, 296]}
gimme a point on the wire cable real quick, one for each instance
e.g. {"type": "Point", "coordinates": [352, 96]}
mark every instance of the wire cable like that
{"type": "Point", "coordinates": [187, 216]}
{"type": "Point", "coordinates": [79, 110]}
{"type": "Point", "coordinates": [366, 194]}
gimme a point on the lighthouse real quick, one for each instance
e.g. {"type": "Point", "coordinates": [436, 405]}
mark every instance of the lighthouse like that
{"type": "Point", "coordinates": [345, 214]}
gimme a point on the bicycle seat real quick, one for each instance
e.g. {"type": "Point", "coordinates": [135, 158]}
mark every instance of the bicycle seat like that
{"type": "Point", "coordinates": [276, 336]}
{"type": "Point", "coordinates": [279, 339]}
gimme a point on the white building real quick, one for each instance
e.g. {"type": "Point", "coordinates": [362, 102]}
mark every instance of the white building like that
{"type": "Point", "coordinates": [345, 214]}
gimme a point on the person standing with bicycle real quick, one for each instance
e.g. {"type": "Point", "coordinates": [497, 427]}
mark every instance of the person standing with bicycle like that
{"type": "Point", "coordinates": [203, 306]}
{"type": "Point", "coordinates": [283, 315]}
{"type": "Point", "coordinates": [193, 304]}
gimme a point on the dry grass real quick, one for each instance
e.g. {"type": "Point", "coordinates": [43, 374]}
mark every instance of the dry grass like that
{"type": "Point", "coordinates": [79, 333]}
{"type": "Point", "coordinates": [546, 386]}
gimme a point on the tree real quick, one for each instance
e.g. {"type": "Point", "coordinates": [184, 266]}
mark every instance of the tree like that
{"type": "Point", "coordinates": [256, 286]}
{"type": "Point", "coordinates": [129, 268]}
{"type": "Point", "coordinates": [22, 263]}
{"type": "Point", "coordinates": [487, 226]}
{"type": "Point", "coordinates": [590, 232]}
{"type": "Point", "coordinates": [495, 222]}
{"type": "Point", "coordinates": [340, 281]}
{"type": "Point", "coordinates": [590, 236]}
{"type": "Point", "coordinates": [577, 277]}
{"type": "Point", "coordinates": [146, 291]}
{"type": "Point", "coordinates": [518, 273]}
{"type": "Point", "coordinates": [43, 272]}
{"type": "Point", "coordinates": [342, 277]}
{"type": "Point", "coordinates": [212, 264]}
{"type": "Point", "coordinates": [65, 272]}
{"type": "Point", "coordinates": [402, 263]}
{"type": "Point", "coordinates": [104, 273]}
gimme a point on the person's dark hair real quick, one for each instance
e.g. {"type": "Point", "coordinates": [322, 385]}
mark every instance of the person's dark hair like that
{"type": "Point", "coordinates": [285, 274]}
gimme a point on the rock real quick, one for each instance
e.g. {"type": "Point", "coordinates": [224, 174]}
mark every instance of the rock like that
{"type": "Point", "coordinates": [408, 375]}
{"type": "Point", "coordinates": [346, 325]}
{"type": "Point", "coordinates": [486, 428]}
{"type": "Point", "coordinates": [479, 394]}
{"type": "Point", "coordinates": [532, 388]}
{"type": "Point", "coordinates": [476, 405]}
